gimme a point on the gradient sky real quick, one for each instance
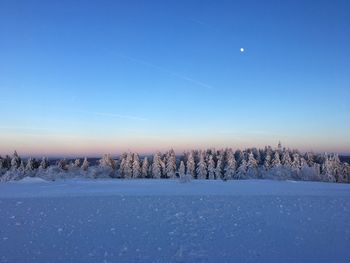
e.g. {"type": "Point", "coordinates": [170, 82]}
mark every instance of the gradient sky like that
{"type": "Point", "coordinates": [91, 77]}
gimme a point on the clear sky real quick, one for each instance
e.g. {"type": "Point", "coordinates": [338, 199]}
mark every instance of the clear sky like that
{"type": "Point", "coordinates": [92, 77]}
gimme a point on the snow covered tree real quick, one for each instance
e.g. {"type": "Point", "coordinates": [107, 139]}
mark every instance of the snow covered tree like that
{"type": "Point", "coordinates": [327, 170]}
{"type": "Point", "coordinates": [211, 168]}
{"type": "Point", "coordinates": [286, 160]}
{"type": "Point", "coordinates": [30, 165]}
{"type": "Point", "coordinates": [163, 166]}
{"type": "Point", "coordinates": [345, 174]}
{"type": "Point", "coordinates": [310, 158]}
{"type": "Point", "coordinates": [242, 170]}
{"type": "Point", "coordinates": [239, 156]}
{"type": "Point", "coordinates": [44, 163]}
{"type": "Point", "coordinates": [252, 166]}
{"type": "Point", "coordinates": [85, 165]}
{"type": "Point", "coordinates": [337, 166]}
{"type": "Point", "coordinates": [276, 161]}
{"type": "Point", "coordinates": [316, 176]}
{"type": "Point", "coordinates": [331, 168]}
{"type": "Point", "coordinates": [107, 161]}
{"type": "Point", "coordinates": [6, 162]}
{"type": "Point", "coordinates": [296, 162]}
{"type": "Point", "coordinates": [63, 164]}
{"type": "Point", "coordinates": [122, 166]}
{"type": "Point", "coordinates": [136, 168]}
{"type": "Point", "coordinates": [182, 173]}
{"type": "Point", "coordinates": [230, 168]}
{"type": "Point", "coordinates": [15, 161]}
{"type": "Point", "coordinates": [191, 165]}
{"type": "Point", "coordinates": [77, 163]}
{"type": "Point", "coordinates": [106, 168]}
{"type": "Point", "coordinates": [218, 169]}
{"type": "Point", "coordinates": [303, 162]}
{"type": "Point", "coordinates": [157, 166]}
{"type": "Point", "coordinates": [170, 169]}
{"type": "Point", "coordinates": [257, 155]}
{"type": "Point", "coordinates": [267, 161]}
{"type": "Point", "coordinates": [23, 168]}
{"type": "Point", "coordinates": [202, 167]}
{"type": "Point", "coordinates": [128, 166]}
{"type": "Point", "coordinates": [182, 169]}
{"type": "Point", "coordinates": [295, 166]}
{"type": "Point", "coordinates": [145, 167]}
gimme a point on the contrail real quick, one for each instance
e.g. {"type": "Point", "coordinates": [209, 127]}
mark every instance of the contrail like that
{"type": "Point", "coordinates": [172, 73]}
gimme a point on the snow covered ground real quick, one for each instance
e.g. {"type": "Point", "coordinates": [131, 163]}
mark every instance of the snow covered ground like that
{"type": "Point", "coordinates": [168, 221]}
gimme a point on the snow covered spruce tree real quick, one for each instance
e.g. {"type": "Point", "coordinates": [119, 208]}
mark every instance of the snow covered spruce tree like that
{"type": "Point", "coordinates": [105, 169]}
{"type": "Point", "coordinates": [276, 170]}
{"type": "Point", "coordinates": [295, 166]}
{"type": "Point", "coordinates": [85, 165]}
{"type": "Point", "coordinates": [242, 170]}
{"type": "Point", "coordinates": [331, 168]}
{"type": "Point", "coordinates": [211, 168]}
{"type": "Point", "coordinates": [6, 162]}
{"type": "Point", "coordinates": [218, 168]}
{"type": "Point", "coordinates": [276, 161]}
{"type": "Point", "coordinates": [184, 178]}
{"type": "Point", "coordinates": [170, 169]}
{"type": "Point", "coordinates": [128, 166]}
{"type": "Point", "coordinates": [202, 166]}
{"type": "Point", "coordinates": [252, 166]}
{"type": "Point", "coordinates": [267, 164]}
{"type": "Point", "coordinates": [136, 167]}
{"type": "Point", "coordinates": [16, 169]}
{"type": "Point", "coordinates": [345, 174]}
{"type": "Point", "coordinates": [191, 165]}
{"type": "Point", "coordinates": [76, 163]}
{"type": "Point", "coordinates": [63, 165]}
{"type": "Point", "coordinates": [182, 169]}
{"type": "Point", "coordinates": [220, 165]}
{"type": "Point", "coordinates": [107, 161]}
{"type": "Point", "coordinates": [163, 165]}
{"type": "Point", "coordinates": [145, 168]}
{"type": "Point", "coordinates": [15, 161]}
{"type": "Point", "coordinates": [44, 164]}
{"type": "Point", "coordinates": [157, 166]}
{"type": "Point", "coordinates": [30, 167]}
{"type": "Point", "coordinates": [286, 160]}
{"type": "Point", "coordinates": [230, 168]}
{"type": "Point", "coordinates": [122, 159]}
{"type": "Point", "coordinates": [308, 173]}
{"type": "Point", "coordinates": [2, 166]}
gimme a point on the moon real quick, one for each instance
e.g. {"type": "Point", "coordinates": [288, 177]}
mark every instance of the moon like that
{"type": "Point", "coordinates": [242, 49]}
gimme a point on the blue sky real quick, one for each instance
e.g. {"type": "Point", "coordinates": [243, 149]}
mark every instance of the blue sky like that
{"type": "Point", "coordinates": [90, 77]}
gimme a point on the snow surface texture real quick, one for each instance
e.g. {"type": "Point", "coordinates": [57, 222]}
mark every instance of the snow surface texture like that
{"type": "Point", "coordinates": [168, 221]}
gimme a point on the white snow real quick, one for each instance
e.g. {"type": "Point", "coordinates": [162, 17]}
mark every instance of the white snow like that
{"type": "Point", "coordinates": [167, 221]}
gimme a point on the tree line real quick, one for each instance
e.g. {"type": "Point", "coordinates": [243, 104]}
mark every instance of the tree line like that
{"type": "Point", "coordinates": [224, 164]}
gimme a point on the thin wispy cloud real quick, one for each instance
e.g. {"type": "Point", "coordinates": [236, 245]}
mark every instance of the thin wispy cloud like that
{"type": "Point", "coordinates": [115, 115]}
{"type": "Point", "coordinates": [170, 72]}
